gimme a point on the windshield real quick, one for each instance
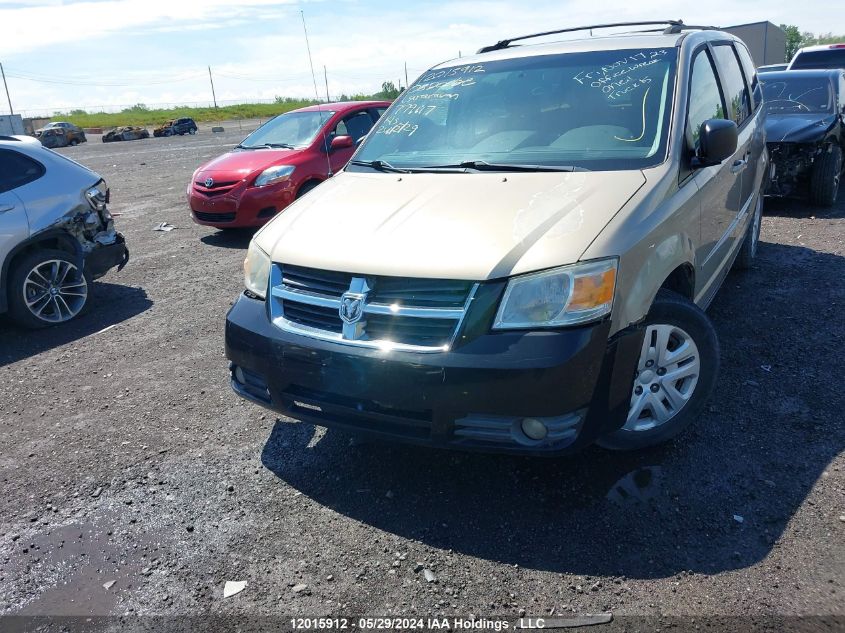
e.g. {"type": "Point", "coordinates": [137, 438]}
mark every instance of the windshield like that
{"type": "Point", "coordinates": [830, 58]}
{"type": "Point", "coordinates": [797, 95]}
{"type": "Point", "coordinates": [598, 110]}
{"type": "Point", "coordinates": [293, 129]}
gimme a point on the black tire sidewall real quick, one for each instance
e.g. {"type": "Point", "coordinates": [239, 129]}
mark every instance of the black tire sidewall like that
{"type": "Point", "coordinates": [822, 180]}
{"type": "Point", "coordinates": [672, 309]}
{"type": "Point", "coordinates": [746, 255]}
{"type": "Point", "coordinates": [308, 186]}
{"type": "Point", "coordinates": [18, 311]}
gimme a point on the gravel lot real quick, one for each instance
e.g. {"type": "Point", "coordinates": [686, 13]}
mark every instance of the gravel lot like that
{"type": "Point", "coordinates": [125, 457]}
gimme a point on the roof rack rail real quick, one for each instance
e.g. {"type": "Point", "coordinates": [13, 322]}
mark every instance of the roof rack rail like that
{"type": "Point", "coordinates": [674, 26]}
{"type": "Point", "coordinates": [4, 137]}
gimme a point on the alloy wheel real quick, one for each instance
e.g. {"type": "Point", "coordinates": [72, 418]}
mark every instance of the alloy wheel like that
{"type": "Point", "coordinates": [55, 291]}
{"type": "Point", "coordinates": [667, 374]}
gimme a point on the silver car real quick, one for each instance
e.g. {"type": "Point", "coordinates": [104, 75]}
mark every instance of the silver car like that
{"type": "Point", "coordinates": [519, 256]}
{"type": "Point", "coordinates": [56, 233]}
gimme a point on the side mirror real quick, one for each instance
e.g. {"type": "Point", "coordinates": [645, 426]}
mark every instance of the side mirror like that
{"type": "Point", "coordinates": [717, 141]}
{"type": "Point", "coordinates": [341, 142]}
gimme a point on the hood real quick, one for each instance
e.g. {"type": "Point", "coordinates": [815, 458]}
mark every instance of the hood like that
{"type": "Point", "coordinates": [797, 128]}
{"type": "Point", "coordinates": [244, 162]}
{"type": "Point", "coordinates": [473, 226]}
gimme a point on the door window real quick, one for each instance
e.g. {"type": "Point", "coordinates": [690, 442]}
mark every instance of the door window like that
{"type": "Point", "coordinates": [736, 92]}
{"type": "Point", "coordinates": [705, 99]}
{"type": "Point", "coordinates": [17, 170]}
{"type": "Point", "coordinates": [356, 125]}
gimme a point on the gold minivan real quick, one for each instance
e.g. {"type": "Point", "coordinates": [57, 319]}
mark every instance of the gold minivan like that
{"type": "Point", "coordinates": [519, 255]}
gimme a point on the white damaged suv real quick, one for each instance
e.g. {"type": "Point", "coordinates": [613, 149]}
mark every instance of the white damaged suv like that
{"type": "Point", "coordinates": [519, 255]}
{"type": "Point", "coordinates": [56, 233]}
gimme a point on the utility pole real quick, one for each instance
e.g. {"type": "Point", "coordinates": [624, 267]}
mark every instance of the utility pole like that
{"type": "Point", "coordinates": [326, 77]}
{"type": "Point", "coordinates": [5, 85]}
{"type": "Point", "coordinates": [213, 96]}
{"type": "Point", "coordinates": [406, 75]}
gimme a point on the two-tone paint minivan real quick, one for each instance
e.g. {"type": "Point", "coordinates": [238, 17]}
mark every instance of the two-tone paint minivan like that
{"type": "Point", "coordinates": [519, 255]}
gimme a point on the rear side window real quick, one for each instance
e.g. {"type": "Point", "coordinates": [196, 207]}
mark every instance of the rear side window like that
{"type": "Point", "coordinates": [831, 58]}
{"type": "Point", "coordinates": [17, 170]}
{"type": "Point", "coordinates": [705, 99]}
{"type": "Point", "coordinates": [750, 74]}
{"type": "Point", "coordinates": [733, 83]}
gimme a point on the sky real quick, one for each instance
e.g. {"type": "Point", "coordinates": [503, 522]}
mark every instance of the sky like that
{"type": "Point", "coordinates": [101, 54]}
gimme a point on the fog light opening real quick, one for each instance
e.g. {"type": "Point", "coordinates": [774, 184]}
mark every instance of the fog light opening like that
{"type": "Point", "coordinates": [534, 429]}
{"type": "Point", "coordinates": [239, 375]}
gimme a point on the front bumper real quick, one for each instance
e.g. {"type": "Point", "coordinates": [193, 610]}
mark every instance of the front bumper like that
{"type": "Point", "coordinates": [103, 258]}
{"type": "Point", "coordinates": [473, 397]}
{"type": "Point", "coordinates": [240, 207]}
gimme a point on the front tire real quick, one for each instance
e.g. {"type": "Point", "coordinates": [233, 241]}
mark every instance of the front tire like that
{"type": "Point", "coordinates": [47, 288]}
{"type": "Point", "coordinates": [676, 373]}
{"type": "Point", "coordinates": [308, 186]}
{"type": "Point", "coordinates": [824, 180]}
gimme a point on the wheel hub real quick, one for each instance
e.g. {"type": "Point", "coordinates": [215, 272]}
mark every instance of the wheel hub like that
{"type": "Point", "coordinates": [55, 291]}
{"type": "Point", "coordinates": [667, 374]}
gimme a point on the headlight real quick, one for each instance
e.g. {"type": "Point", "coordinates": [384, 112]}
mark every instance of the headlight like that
{"type": "Point", "coordinates": [271, 175]}
{"type": "Point", "coordinates": [97, 196]}
{"type": "Point", "coordinates": [562, 296]}
{"type": "Point", "coordinates": [256, 270]}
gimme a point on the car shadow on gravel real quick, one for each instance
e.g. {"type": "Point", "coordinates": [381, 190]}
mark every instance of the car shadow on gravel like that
{"type": "Point", "coordinates": [108, 305]}
{"type": "Point", "coordinates": [230, 238]}
{"type": "Point", "coordinates": [716, 499]}
{"type": "Point", "coordinates": [797, 208]}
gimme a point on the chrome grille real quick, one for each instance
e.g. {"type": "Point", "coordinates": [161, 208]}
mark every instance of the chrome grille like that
{"type": "Point", "coordinates": [380, 311]}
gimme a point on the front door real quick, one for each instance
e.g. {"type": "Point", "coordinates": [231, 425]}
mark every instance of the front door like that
{"type": "Point", "coordinates": [720, 185]}
{"type": "Point", "coordinates": [356, 125]}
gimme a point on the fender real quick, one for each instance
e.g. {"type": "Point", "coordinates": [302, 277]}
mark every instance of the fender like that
{"type": "Point", "coordinates": [60, 236]}
{"type": "Point", "coordinates": [674, 252]}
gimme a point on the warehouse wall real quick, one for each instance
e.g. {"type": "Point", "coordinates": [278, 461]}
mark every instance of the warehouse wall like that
{"type": "Point", "coordinates": [765, 41]}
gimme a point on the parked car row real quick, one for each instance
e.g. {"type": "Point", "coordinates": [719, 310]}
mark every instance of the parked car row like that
{"type": "Point", "coordinates": [62, 133]}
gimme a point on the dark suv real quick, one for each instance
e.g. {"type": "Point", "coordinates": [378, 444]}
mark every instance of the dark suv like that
{"type": "Point", "coordinates": [185, 125]}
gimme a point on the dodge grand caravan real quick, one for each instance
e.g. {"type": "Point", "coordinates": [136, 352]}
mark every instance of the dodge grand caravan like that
{"type": "Point", "coordinates": [519, 255]}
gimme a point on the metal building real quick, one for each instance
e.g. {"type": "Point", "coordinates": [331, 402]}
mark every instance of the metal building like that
{"type": "Point", "coordinates": [766, 41]}
{"type": "Point", "coordinates": [11, 124]}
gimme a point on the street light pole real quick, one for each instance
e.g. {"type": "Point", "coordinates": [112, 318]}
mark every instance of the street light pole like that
{"type": "Point", "coordinates": [6, 86]}
{"type": "Point", "coordinates": [213, 96]}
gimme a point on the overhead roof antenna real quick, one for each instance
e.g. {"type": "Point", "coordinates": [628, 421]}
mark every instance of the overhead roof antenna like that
{"type": "Point", "coordinates": [316, 93]}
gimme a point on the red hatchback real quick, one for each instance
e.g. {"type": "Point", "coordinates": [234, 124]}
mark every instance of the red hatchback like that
{"type": "Point", "coordinates": [280, 161]}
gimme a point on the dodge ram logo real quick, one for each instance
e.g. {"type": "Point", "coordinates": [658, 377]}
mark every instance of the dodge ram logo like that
{"type": "Point", "coordinates": [209, 183]}
{"type": "Point", "coordinates": [351, 307]}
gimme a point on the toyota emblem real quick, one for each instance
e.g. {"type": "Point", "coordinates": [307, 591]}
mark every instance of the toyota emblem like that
{"type": "Point", "coordinates": [209, 183]}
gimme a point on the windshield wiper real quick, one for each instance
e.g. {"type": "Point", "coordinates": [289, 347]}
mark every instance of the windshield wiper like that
{"type": "Point", "coordinates": [266, 145]}
{"type": "Point", "coordinates": [381, 165]}
{"type": "Point", "coordinates": [483, 165]}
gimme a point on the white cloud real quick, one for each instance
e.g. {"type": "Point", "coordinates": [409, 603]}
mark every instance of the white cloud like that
{"type": "Point", "coordinates": [361, 44]}
{"type": "Point", "coordinates": [24, 28]}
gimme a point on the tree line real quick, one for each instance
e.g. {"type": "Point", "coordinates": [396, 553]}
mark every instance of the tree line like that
{"type": "Point", "coordinates": [796, 38]}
